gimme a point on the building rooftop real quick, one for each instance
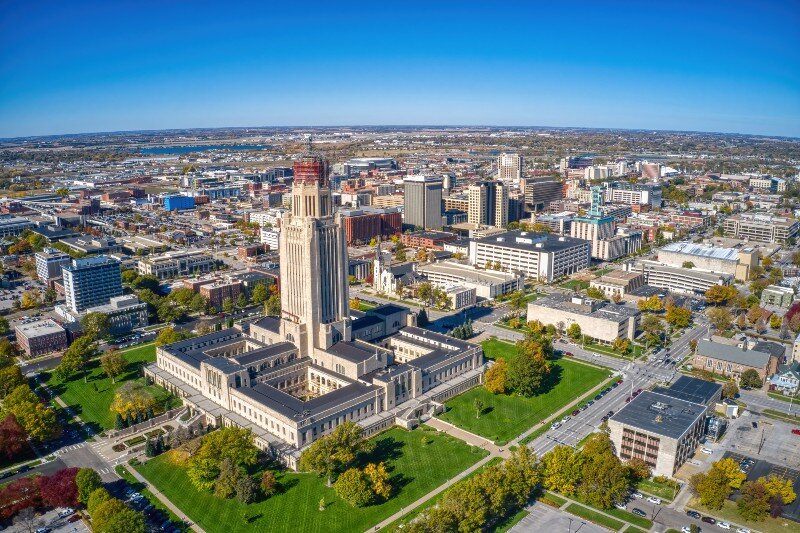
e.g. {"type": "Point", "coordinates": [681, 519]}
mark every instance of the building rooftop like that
{"type": "Point", "coordinates": [39, 328]}
{"type": "Point", "coordinates": [468, 273]}
{"type": "Point", "coordinates": [732, 354]}
{"type": "Point", "coordinates": [534, 242]}
{"type": "Point", "coordinates": [692, 389]}
{"type": "Point", "coordinates": [699, 250]}
{"type": "Point", "coordinates": [660, 414]}
{"type": "Point", "coordinates": [586, 307]}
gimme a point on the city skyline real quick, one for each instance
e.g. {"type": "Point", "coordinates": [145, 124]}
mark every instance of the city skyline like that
{"type": "Point", "coordinates": [681, 67]}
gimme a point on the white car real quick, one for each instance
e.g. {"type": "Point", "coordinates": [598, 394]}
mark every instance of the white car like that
{"type": "Point", "coordinates": [555, 425]}
{"type": "Point", "coordinates": [66, 512]}
{"type": "Point", "coordinates": [638, 495]}
{"type": "Point", "coordinates": [686, 529]}
{"type": "Point", "coordinates": [707, 451]}
{"type": "Point", "coordinates": [723, 525]}
{"type": "Point", "coordinates": [565, 420]}
{"type": "Point", "coordinates": [653, 499]}
{"type": "Point", "coordinates": [742, 530]}
{"type": "Point", "coordinates": [620, 506]}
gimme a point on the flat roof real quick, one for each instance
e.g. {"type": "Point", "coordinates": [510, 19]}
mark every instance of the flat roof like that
{"type": "Point", "coordinates": [534, 242]}
{"type": "Point", "coordinates": [39, 328]}
{"type": "Point", "coordinates": [692, 389]}
{"type": "Point", "coordinates": [700, 250]}
{"type": "Point", "coordinates": [660, 414]}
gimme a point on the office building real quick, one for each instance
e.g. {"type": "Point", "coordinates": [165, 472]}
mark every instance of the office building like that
{"type": "Point", "coordinates": [676, 278]}
{"type": "Point", "coordinates": [430, 240]}
{"type": "Point", "coordinates": [737, 262]}
{"type": "Point", "coordinates": [488, 284]}
{"type": "Point", "coordinates": [762, 228]}
{"type": "Point", "coordinates": [92, 245]}
{"type": "Point", "coordinates": [422, 207]}
{"type": "Point", "coordinates": [125, 313]}
{"type": "Point", "coordinates": [618, 283]}
{"type": "Point", "coordinates": [539, 192]}
{"type": "Point", "coordinates": [509, 167]}
{"type": "Point", "coordinates": [11, 226]}
{"type": "Point", "coordinates": [177, 202]}
{"type": "Point", "coordinates": [633, 193]}
{"type": "Point", "coordinates": [536, 255]}
{"type": "Point", "coordinates": [176, 263]}
{"type": "Point", "coordinates": [367, 223]}
{"type": "Point", "coordinates": [41, 337]}
{"type": "Point", "coordinates": [48, 264]}
{"type": "Point", "coordinates": [91, 282]}
{"type": "Point", "coordinates": [660, 429]}
{"type": "Point", "coordinates": [599, 320]}
{"type": "Point", "coordinates": [488, 204]}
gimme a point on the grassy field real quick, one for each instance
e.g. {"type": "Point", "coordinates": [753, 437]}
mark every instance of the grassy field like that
{"type": "Point", "coordinates": [636, 350]}
{"type": "Point", "coordinates": [415, 469]}
{"type": "Point", "coordinates": [91, 400]}
{"type": "Point", "coordinates": [594, 516]}
{"type": "Point", "coordinates": [730, 513]}
{"type": "Point", "coordinates": [125, 474]}
{"type": "Point", "coordinates": [665, 492]}
{"type": "Point", "coordinates": [575, 284]}
{"type": "Point", "coordinates": [507, 416]}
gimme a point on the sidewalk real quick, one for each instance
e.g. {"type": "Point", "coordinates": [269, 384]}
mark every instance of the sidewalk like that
{"type": "Point", "coordinates": [163, 499]}
{"type": "Point", "coordinates": [469, 438]}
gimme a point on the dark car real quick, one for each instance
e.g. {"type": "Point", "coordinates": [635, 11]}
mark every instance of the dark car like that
{"type": "Point", "coordinates": [694, 514]}
{"type": "Point", "coordinates": [610, 413]}
{"type": "Point", "coordinates": [614, 385]}
{"type": "Point", "coordinates": [796, 431]}
{"type": "Point", "coordinates": [576, 412]}
{"type": "Point", "coordinates": [628, 399]}
{"type": "Point", "coordinates": [584, 407]}
{"type": "Point", "coordinates": [604, 418]}
{"type": "Point", "coordinates": [569, 354]}
{"type": "Point", "coordinates": [598, 397]}
{"type": "Point", "coordinates": [638, 512]}
{"type": "Point", "coordinates": [708, 520]}
{"type": "Point", "coordinates": [755, 425]}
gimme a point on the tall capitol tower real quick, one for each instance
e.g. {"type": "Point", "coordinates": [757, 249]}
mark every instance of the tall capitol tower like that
{"type": "Point", "coordinates": [315, 309]}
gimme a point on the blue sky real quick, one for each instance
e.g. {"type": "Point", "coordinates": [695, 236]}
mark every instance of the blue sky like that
{"type": "Point", "coordinates": [69, 67]}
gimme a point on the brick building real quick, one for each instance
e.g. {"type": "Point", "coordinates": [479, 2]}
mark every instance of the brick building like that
{"type": "Point", "coordinates": [41, 337]}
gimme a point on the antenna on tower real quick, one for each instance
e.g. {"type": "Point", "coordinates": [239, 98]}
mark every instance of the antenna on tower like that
{"type": "Point", "coordinates": [310, 140]}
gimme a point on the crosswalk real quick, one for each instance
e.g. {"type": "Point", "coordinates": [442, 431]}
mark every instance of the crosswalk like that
{"type": "Point", "coordinates": [71, 447]}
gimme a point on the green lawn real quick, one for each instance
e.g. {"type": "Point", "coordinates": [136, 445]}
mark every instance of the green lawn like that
{"type": "Point", "coordinates": [636, 350]}
{"type": "Point", "coordinates": [123, 472]}
{"type": "Point", "coordinates": [507, 416]}
{"type": "Point", "coordinates": [415, 469]}
{"type": "Point", "coordinates": [594, 516]}
{"type": "Point", "coordinates": [575, 284]}
{"type": "Point", "coordinates": [663, 491]}
{"type": "Point", "coordinates": [91, 400]}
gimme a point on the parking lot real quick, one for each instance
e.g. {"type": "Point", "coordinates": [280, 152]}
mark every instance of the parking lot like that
{"type": "Point", "coordinates": [770, 440]}
{"type": "Point", "coordinates": [757, 468]}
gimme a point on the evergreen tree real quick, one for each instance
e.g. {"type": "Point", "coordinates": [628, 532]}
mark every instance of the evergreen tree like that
{"type": "Point", "coordinates": [149, 448]}
{"type": "Point", "coordinates": [149, 413]}
{"type": "Point", "coordinates": [119, 423]}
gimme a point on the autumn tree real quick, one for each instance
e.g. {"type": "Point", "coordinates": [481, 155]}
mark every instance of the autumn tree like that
{"type": "Point", "coordinates": [379, 478]}
{"type": "Point", "coordinates": [574, 331]}
{"type": "Point", "coordinates": [753, 503]}
{"type": "Point", "coordinates": [527, 371]}
{"type": "Point", "coordinates": [720, 318]}
{"type": "Point", "coordinates": [59, 489]}
{"type": "Point", "coordinates": [231, 443]}
{"type": "Point", "coordinates": [77, 357]}
{"type": "Point", "coordinates": [604, 479]}
{"type": "Point", "coordinates": [560, 470]}
{"type": "Point", "coordinates": [97, 498]}
{"type": "Point", "coordinates": [335, 452]}
{"type": "Point", "coordinates": [496, 376]}
{"type": "Point", "coordinates": [354, 487]}
{"type": "Point", "coordinates": [638, 469]}
{"type": "Point", "coordinates": [87, 481]}
{"type": "Point", "coordinates": [730, 389]}
{"type": "Point", "coordinates": [720, 294]}
{"type": "Point", "coordinates": [268, 483]}
{"type": "Point", "coordinates": [13, 439]}
{"type": "Point", "coordinates": [779, 486]}
{"type": "Point", "coordinates": [652, 304]}
{"type": "Point", "coordinates": [17, 495]}
{"type": "Point", "coordinates": [712, 487]}
{"type": "Point", "coordinates": [113, 364]}
{"type": "Point", "coordinates": [96, 326]}
{"type": "Point", "coordinates": [678, 317]}
{"type": "Point", "coordinates": [38, 421]}
{"type": "Point", "coordinates": [750, 379]}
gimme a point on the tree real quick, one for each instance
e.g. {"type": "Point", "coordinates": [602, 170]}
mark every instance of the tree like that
{"type": "Point", "coordinates": [96, 326]}
{"type": "Point", "coordinates": [379, 478]}
{"type": "Point", "coordinates": [754, 501]}
{"type": "Point", "coordinates": [77, 357]}
{"type": "Point", "coordinates": [574, 331]}
{"type": "Point", "coordinates": [354, 487]}
{"type": "Point", "coordinates": [269, 485]}
{"type": "Point", "coordinates": [754, 314]}
{"type": "Point", "coordinates": [226, 480]}
{"type": "Point", "coordinates": [38, 421]}
{"type": "Point", "coordinates": [273, 305]}
{"type": "Point", "coordinates": [679, 317]}
{"type": "Point", "coordinates": [87, 481]}
{"type": "Point", "coordinates": [560, 469]}
{"type": "Point", "coordinates": [597, 294]}
{"type": "Point", "coordinates": [479, 407]}
{"type": "Point", "coordinates": [97, 498]}
{"type": "Point", "coordinates": [132, 397]}
{"type": "Point", "coordinates": [425, 292]}
{"type": "Point", "coordinates": [720, 318]}
{"type": "Point", "coordinates": [729, 389]}
{"type": "Point", "coordinates": [693, 345]}
{"type": "Point", "coordinates": [113, 364]}
{"type": "Point", "coordinates": [17, 495]}
{"type": "Point", "coordinates": [622, 345]}
{"type": "Point", "coordinates": [335, 452]}
{"type": "Point", "coordinates": [687, 264]}
{"type": "Point", "coordinates": [517, 300]}
{"type": "Point", "coordinates": [227, 305]}
{"type": "Point", "coordinates": [169, 335]}
{"type": "Point", "coordinates": [10, 378]}
{"type": "Point", "coordinates": [246, 489]}
{"type": "Point", "coordinates": [750, 379]}
{"type": "Point", "coordinates": [779, 486]}
{"type": "Point", "coordinates": [652, 304]}
{"type": "Point", "coordinates": [775, 321]}
{"type": "Point", "coordinates": [241, 301]}
{"type": "Point", "coordinates": [604, 479]}
{"type": "Point", "coordinates": [260, 294]}
{"type": "Point", "coordinates": [731, 470]}
{"type": "Point", "coordinates": [720, 294]}
{"type": "Point", "coordinates": [28, 520]}
{"type": "Point", "coordinates": [496, 375]}
{"type": "Point", "coordinates": [526, 372]}
{"type": "Point", "coordinates": [232, 443]}
{"type": "Point", "coordinates": [13, 439]}
{"type": "Point", "coordinates": [638, 469]}
{"type": "Point", "coordinates": [4, 327]}
{"type": "Point", "coordinates": [60, 489]}
{"type": "Point", "coordinates": [712, 487]}
{"type": "Point", "coordinates": [422, 318]}
{"type": "Point", "coordinates": [31, 299]}
{"type": "Point", "coordinates": [113, 516]}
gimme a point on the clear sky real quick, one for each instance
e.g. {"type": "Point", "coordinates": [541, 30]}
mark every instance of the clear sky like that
{"type": "Point", "coordinates": [75, 66]}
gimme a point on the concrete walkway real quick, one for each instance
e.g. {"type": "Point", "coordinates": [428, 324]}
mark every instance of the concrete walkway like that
{"type": "Point", "coordinates": [163, 499]}
{"type": "Point", "coordinates": [469, 438]}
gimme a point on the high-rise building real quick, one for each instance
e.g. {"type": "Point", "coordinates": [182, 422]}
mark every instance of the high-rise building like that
{"type": "Point", "coordinates": [488, 204]}
{"type": "Point", "coordinates": [314, 291]}
{"type": "Point", "coordinates": [91, 282]}
{"type": "Point", "coordinates": [539, 192]}
{"type": "Point", "coordinates": [422, 206]}
{"type": "Point", "coordinates": [509, 167]}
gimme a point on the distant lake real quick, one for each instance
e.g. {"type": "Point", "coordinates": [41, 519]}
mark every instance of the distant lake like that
{"type": "Point", "coordinates": [177, 150]}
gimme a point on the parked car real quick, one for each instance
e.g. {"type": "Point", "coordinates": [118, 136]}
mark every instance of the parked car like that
{"type": "Point", "coordinates": [638, 512]}
{"type": "Point", "coordinates": [66, 512]}
{"type": "Point", "coordinates": [708, 520]}
{"type": "Point", "coordinates": [707, 451]}
{"type": "Point", "coordinates": [723, 525]}
{"type": "Point", "coordinates": [755, 425]}
{"type": "Point", "coordinates": [555, 425]}
{"type": "Point", "coordinates": [694, 514]}
{"type": "Point", "coordinates": [796, 431]}
{"type": "Point", "coordinates": [576, 412]}
{"type": "Point", "coordinates": [628, 399]}
{"type": "Point", "coordinates": [619, 382]}
{"type": "Point", "coordinates": [742, 530]}
{"type": "Point", "coordinates": [620, 506]}
{"type": "Point", "coordinates": [653, 499]}
{"type": "Point", "coordinates": [569, 354]}
{"type": "Point", "coordinates": [638, 495]}
{"type": "Point", "coordinates": [598, 398]}
{"type": "Point", "coordinates": [610, 413]}
{"type": "Point", "coordinates": [686, 529]}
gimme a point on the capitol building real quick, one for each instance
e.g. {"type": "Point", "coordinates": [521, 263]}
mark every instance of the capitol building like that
{"type": "Point", "coordinates": [293, 379]}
